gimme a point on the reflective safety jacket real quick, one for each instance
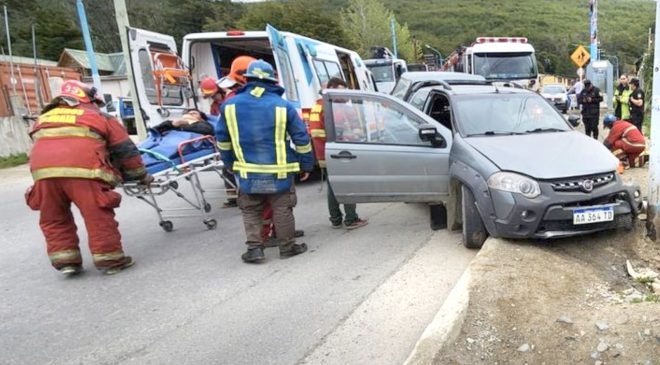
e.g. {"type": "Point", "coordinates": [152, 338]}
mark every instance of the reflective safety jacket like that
{"type": "Point", "coordinates": [317, 131]}
{"type": "Point", "coordinates": [622, 107]}
{"type": "Point", "coordinates": [77, 140]}
{"type": "Point", "coordinates": [627, 133]}
{"type": "Point", "coordinates": [252, 136]}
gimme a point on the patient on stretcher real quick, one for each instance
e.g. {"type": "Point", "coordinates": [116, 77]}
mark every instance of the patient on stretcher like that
{"type": "Point", "coordinates": [192, 121]}
{"type": "Point", "coordinates": [176, 141]}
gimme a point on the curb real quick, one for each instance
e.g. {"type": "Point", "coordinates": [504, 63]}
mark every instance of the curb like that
{"type": "Point", "coordinates": [447, 323]}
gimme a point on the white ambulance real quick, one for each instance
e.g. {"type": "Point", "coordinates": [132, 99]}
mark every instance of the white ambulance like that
{"type": "Point", "coordinates": [167, 83]}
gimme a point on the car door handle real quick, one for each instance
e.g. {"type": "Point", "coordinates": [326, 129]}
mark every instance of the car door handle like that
{"type": "Point", "coordinates": [344, 154]}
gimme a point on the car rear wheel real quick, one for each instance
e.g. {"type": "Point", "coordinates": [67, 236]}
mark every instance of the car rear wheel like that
{"type": "Point", "coordinates": [474, 231]}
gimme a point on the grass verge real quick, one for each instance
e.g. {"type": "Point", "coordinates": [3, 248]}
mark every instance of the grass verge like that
{"type": "Point", "coordinates": [13, 160]}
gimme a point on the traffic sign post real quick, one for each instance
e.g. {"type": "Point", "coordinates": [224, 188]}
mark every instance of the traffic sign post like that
{"type": "Point", "coordinates": [580, 56]}
{"type": "Point", "coordinates": [580, 73]}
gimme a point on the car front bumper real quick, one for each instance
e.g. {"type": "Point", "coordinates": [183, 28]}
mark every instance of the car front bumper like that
{"type": "Point", "coordinates": [551, 214]}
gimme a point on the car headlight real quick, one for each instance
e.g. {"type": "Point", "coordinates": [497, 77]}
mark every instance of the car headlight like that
{"type": "Point", "coordinates": [514, 183]}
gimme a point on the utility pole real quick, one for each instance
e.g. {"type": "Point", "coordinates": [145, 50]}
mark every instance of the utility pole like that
{"type": "Point", "coordinates": [654, 168]}
{"type": "Point", "coordinates": [91, 56]}
{"type": "Point", "coordinates": [122, 23]}
{"type": "Point", "coordinates": [37, 72]}
{"type": "Point", "coordinates": [11, 58]}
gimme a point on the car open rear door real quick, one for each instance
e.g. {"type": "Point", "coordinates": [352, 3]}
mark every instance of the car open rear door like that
{"type": "Point", "coordinates": [283, 64]}
{"type": "Point", "coordinates": [161, 79]}
{"type": "Point", "coordinates": [374, 152]}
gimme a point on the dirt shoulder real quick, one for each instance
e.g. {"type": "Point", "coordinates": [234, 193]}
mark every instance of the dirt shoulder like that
{"type": "Point", "coordinates": [566, 301]}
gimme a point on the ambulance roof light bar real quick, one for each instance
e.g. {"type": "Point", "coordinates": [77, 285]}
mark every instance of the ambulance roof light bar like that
{"type": "Point", "coordinates": [501, 40]}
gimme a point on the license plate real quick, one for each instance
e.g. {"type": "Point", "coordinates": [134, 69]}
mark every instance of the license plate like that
{"type": "Point", "coordinates": [593, 215]}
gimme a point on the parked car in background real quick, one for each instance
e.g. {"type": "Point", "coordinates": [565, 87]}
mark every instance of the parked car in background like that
{"type": "Point", "coordinates": [501, 160]}
{"type": "Point", "coordinates": [417, 67]}
{"type": "Point", "coordinates": [557, 95]}
{"type": "Point", "coordinates": [413, 81]}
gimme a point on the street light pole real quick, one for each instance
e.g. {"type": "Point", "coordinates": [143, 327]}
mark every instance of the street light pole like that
{"type": "Point", "coordinates": [440, 59]}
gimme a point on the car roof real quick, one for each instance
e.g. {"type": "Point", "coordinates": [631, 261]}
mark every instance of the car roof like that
{"type": "Point", "coordinates": [416, 76]}
{"type": "Point", "coordinates": [477, 88]}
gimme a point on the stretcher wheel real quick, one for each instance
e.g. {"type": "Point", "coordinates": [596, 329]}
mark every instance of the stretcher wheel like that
{"type": "Point", "coordinates": [167, 226]}
{"type": "Point", "coordinates": [174, 185]}
{"type": "Point", "coordinates": [211, 223]}
{"type": "Point", "coordinates": [207, 207]}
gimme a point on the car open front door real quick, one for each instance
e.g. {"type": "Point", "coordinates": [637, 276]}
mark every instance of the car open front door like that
{"type": "Point", "coordinates": [376, 153]}
{"type": "Point", "coordinates": [161, 79]}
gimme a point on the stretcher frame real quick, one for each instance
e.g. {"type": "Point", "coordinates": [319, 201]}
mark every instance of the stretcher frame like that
{"type": "Point", "coordinates": [170, 179]}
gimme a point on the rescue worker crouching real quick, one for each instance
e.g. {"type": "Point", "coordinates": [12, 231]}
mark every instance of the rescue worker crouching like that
{"type": "Point", "coordinates": [625, 141]}
{"type": "Point", "coordinates": [252, 135]}
{"type": "Point", "coordinates": [79, 155]}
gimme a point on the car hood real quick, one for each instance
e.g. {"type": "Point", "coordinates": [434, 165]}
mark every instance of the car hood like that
{"type": "Point", "coordinates": [560, 95]}
{"type": "Point", "coordinates": [546, 155]}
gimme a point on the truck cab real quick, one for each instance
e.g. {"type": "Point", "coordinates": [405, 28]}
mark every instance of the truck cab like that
{"type": "Point", "coordinates": [386, 72]}
{"type": "Point", "coordinates": [167, 82]}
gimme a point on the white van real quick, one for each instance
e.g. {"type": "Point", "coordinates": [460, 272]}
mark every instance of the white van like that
{"type": "Point", "coordinates": [166, 84]}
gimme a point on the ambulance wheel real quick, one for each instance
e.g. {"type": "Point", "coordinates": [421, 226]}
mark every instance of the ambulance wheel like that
{"type": "Point", "coordinates": [211, 223]}
{"type": "Point", "coordinates": [207, 207]}
{"type": "Point", "coordinates": [174, 185]}
{"type": "Point", "coordinates": [167, 226]}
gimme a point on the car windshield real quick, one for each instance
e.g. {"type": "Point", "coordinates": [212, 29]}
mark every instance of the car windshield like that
{"type": "Point", "coordinates": [553, 89]}
{"type": "Point", "coordinates": [506, 114]}
{"type": "Point", "coordinates": [505, 66]}
{"type": "Point", "coordinates": [384, 73]}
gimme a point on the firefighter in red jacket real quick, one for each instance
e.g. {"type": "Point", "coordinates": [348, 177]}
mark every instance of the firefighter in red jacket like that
{"type": "Point", "coordinates": [79, 155]}
{"type": "Point", "coordinates": [624, 140]}
{"type": "Point", "coordinates": [210, 90]}
{"type": "Point", "coordinates": [317, 130]}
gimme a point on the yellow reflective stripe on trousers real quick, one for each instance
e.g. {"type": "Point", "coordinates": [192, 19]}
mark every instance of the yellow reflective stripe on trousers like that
{"type": "Point", "coordinates": [267, 169]}
{"type": "Point", "coordinates": [232, 125]}
{"type": "Point", "coordinates": [280, 139]}
{"type": "Point", "coordinates": [110, 256]}
{"type": "Point", "coordinates": [70, 254]}
{"type": "Point", "coordinates": [79, 172]}
{"type": "Point", "coordinates": [304, 149]}
{"type": "Point", "coordinates": [67, 132]}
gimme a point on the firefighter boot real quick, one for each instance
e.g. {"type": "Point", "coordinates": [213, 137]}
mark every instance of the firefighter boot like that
{"type": "Point", "coordinates": [254, 254]}
{"type": "Point", "coordinates": [292, 250]}
{"type": "Point", "coordinates": [70, 270]}
{"type": "Point", "coordinates": [126, 263]}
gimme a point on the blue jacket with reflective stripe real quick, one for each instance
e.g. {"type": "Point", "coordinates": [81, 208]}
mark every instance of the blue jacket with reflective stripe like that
{"type": "Point", "coordinates": [263, 162]}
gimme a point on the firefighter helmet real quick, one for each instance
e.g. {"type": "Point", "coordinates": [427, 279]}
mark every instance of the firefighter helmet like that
{"type": "Point", "coordinates": [208, 86]}
{"type": "Point", "coordinates": [261, 70]}
{"type": "Point", "coordinates": [239, 67]}
{"type": "Point", "coordinates": [81, 92]}
{"type": "Point", "coordinates": [609, 120]}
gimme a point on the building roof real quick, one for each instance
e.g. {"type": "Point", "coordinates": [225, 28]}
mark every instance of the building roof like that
{"type": "Point", "coordinates": [108, 62]}
{"type": "Point", "coordinates": [27, 60]}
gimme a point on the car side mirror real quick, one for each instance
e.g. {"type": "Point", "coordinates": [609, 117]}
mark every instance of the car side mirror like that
{"type": "Point", "coordinates": [429, 133]}
{"type": "Point", "coordinates": [574, 120]}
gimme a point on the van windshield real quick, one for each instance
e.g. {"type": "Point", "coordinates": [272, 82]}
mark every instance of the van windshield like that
{"type": "Point", "coordinates": [382, 73]}
{"type": "Point", "coordinates": [505, 66]}
{"type": "Point", "coordinates": [506, 114]}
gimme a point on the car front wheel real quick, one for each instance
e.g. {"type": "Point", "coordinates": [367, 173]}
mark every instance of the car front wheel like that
{"type": "Point", "coordinates": [474, 231]}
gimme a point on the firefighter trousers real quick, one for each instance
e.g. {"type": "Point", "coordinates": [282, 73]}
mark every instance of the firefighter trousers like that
{"type": "Point", "coordinates": [96, 201]}
{"type": "Point", "coordinates": [624, 151]}
{"type": "Point", "coordinates": [253, 206]}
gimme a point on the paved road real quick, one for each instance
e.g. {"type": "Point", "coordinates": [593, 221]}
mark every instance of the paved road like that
{"type": "Point", "coordinates": [357, 297]}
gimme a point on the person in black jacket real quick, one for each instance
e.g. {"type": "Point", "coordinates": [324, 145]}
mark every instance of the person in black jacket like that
{"type": "Point", "coordinates": [192, 121]}
{"type": "Point", "coordinates": [590, 99]}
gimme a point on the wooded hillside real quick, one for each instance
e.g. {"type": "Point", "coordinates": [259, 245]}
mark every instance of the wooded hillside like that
{"type": "Point", "coordinates": [554, 27]}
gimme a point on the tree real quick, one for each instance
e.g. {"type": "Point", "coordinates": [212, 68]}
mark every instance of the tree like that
{"type": "Point", "coordinates": [311, 18]}
{"type": "Point", "coordinates": [367, 22]}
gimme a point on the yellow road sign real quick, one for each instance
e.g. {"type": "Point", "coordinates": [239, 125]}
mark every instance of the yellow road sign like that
{"type": "Point", "coordinates": [580, 56]}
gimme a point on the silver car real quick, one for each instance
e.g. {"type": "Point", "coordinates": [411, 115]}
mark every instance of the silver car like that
{"type": "Point", "coordinates": [492, 161]}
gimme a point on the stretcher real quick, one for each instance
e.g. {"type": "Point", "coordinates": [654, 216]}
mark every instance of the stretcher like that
{"type": "Point", "coordinates": [172, 173]}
